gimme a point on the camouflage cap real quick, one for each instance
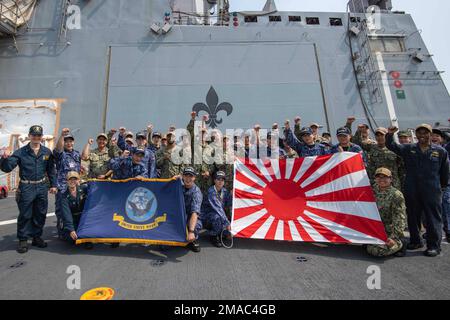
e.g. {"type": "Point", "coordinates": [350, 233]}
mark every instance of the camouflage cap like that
{"type": "Point", "coordinates": [381, 130]}
{"type": "Point", "coordinates": [36, 131]}
{"type": "Point", "coordinates": [383, 171]}
{"type": "Point", "coordinates": [314, 124]}
{"type": "Point", "coordinates": [102, 135]}
{"type": "Point", "coordinates": [72, 175]}
{"type": "Point", "coordinates": [424, 126]}
{"type": "Point", "coordinates": [404, 133]}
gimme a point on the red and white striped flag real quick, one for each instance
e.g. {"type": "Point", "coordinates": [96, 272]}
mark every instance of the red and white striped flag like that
{"type": "Point", "coordinates": [314, 199]}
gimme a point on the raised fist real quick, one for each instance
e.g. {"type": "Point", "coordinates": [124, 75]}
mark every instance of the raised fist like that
{"type": "Point", "coordinates": [287, 124]}
{"type": "Point", "coordinates": [91, 141]}
{"type": "Point", "coordinates": [193, 115]}
{"type": "Point", "coordinates": [6, 153]}
{"type": "Point", "coordinates": [126, 154]}
{"type": "Point", "coordinates": [205, 117]}
{"type": "Point", "coordinates": [113, 131]}
{"type": "Point", "coordinates": [351, 119]}
{"type": "Point", "coordinates": [392, 129]}
{"type": "Point", "coordinates": [150, 127]}
{"type": "Point", "coordinates": [65, 131]}
{"type": "Point", "coordinates": [297, 120]}
{"type": "Point", "coordinates": [275, 126]}
{"type": "Point", "coordinates": [257, 127]}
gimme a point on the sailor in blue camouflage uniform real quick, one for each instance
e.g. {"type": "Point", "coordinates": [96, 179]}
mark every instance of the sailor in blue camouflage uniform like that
{"type": "Point", "coordinates": [67, 159]}
{"type": "Point", "coordinates": [37, 172]}
{"type": "Point", "coordinates": [72, 207]}
{"type": "Point", "coordinates": [149, 159]}
{"type": "Point", "coordinates": [344, 136]}
{"type": "Point", "coordinates": [427, 174]}
{"type": "Point", "coordinates": [275, 151]}
{"type": "Point", "coordinates": [213, 214]}
{"type": "Point", "coordinates": [193, 201]}
{"type": "Point", "coordinates": [127, 167]}
{"type": "Point", "coordinates": [307, 147]}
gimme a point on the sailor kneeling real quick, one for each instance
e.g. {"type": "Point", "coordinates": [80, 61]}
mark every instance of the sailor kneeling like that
{"type": "Point", "coordinates": [391, 205]}
{"type": "Point", "coordinates": [213, 209]}
{"type": "Point", "coordinates": [72, 206]}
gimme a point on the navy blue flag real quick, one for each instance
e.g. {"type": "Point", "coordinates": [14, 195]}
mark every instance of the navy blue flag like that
{"type": "Point", "coordinates": [147, 211]}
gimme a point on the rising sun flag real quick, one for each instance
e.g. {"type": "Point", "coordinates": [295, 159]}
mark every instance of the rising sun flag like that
{"type": "Point", "coordinates": [314, 199]}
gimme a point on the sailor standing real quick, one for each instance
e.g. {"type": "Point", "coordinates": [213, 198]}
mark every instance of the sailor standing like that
{"type": "Point", "coordinates": [427, 174]}
{"type": "Point", "coordinates": [37, 172]}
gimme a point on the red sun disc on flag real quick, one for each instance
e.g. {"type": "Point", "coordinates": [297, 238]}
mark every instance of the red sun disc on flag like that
{"type": "Point", "coordinates": [314, 199]}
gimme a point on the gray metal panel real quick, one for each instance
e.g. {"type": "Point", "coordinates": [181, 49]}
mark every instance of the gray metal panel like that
{"type": "Point", "coordinates": [262, 81]}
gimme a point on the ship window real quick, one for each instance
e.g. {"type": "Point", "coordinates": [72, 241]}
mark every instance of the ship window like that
{"type": "Point", "coordinates": [295, 18]}
{"type": "Point", "coordinates": [275, 18]}
{"type": "Point", "coordinates": [335, 21]}
{"type": "Point", "coordinates": [355, 19]}
{"type": "Point", "coordinates": [387, 44]}
{"type": "Point", "coordinates": [251, 19]}
{"type": "Point", "coordinates": [312, 20]}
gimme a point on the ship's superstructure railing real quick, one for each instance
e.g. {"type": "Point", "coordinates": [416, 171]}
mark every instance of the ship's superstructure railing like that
{"type": "Point", "coordinates": [9, 17]}
{"type": "Point", "coordinates": [14, 14]}
{"type": "Point", "coordinates": [366, 68]}
{"type": "Point", "coordinates": [361, 6]}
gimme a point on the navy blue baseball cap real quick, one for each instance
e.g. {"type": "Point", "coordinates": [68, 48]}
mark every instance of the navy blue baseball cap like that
{"type": "Point", "coordinates": [139, 151]}
{"type": "Point", "coordinates": [220, 175]}
{"type": "Point", "coordinates": [189, 171]}
{"type": "Point", "coordinates": [69, 137]}
{"type": "Point", "coordinates": [344, 131]}
{"type": "Point", "coordinates": [36, 131]}
{"type": "Point", "coordinates": [306, 131]}
{"type": "Point", "coordinates": [141, 135]}
{"type": "Point", "coordinates": [157, 134]}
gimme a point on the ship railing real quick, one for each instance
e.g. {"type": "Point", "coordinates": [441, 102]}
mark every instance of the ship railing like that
{"type": "Point", "coordinates": [7, 25]}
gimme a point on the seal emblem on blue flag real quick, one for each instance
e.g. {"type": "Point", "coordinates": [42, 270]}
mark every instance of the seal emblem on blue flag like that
{"type": "Point", "coordinates": [141, 205]}
{"type": "Point", "coordinates": [146, 211]}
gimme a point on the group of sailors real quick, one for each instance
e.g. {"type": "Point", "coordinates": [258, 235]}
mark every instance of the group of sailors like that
{"type": "Point", "coordinates": [410, 180]}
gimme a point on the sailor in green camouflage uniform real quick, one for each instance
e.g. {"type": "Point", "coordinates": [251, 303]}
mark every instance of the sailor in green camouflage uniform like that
{"type": "Point", "coordinates": [98, 159]}
{"type": "Point", "coordinates": [202, 159]}
{"type": "Point", "coordinates": [380, 156]}
{"type": "Point", "coordinates": [164, 157]}
{"type": "Point", "coordinates": [391, 205]}
{"type": "Point", "coordinates": [225, 163]}
{"type": "Point", "coordinates": [364, 136]}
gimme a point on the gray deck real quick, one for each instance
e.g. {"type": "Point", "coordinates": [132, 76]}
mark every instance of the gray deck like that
{"type": "Point", "coordinates": [251, 270]}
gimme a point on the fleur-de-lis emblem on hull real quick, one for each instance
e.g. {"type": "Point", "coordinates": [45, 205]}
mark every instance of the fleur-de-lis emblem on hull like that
{"type": "Point", "coordinates": [212, 108]}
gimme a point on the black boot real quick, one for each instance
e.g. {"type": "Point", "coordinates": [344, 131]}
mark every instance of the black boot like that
{"type": "Point", "coordinates": [402, 251]}
{"type": "Point", "coordinates": [414, 246]}
{"type": "Point", "coordinates": [432, 253]}
{"type": "Point", "coordinates": [194, 246]}
{"type": "Point", "coordinates": [215, 240]}
{"type": "Point", "coordinates": [22, 247]}
{"type": "Point", "coordinates": [38, 242]}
